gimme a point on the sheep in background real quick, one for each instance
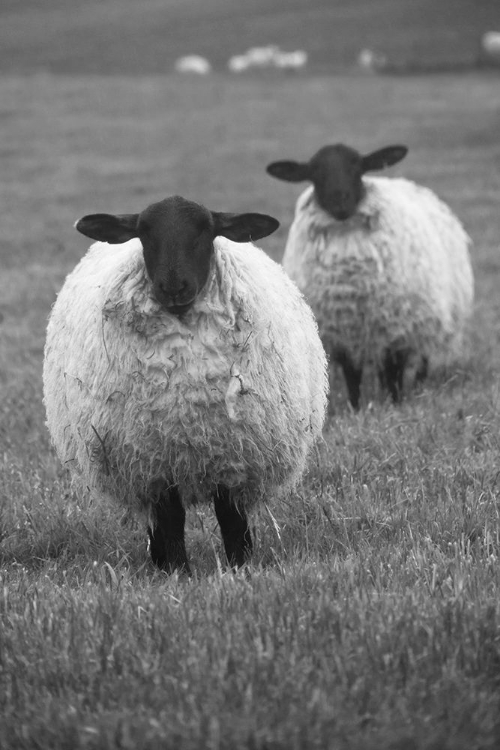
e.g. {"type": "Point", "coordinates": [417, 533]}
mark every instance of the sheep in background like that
{"type": "Point", "coordinates": [290, 60]}
{"type": "Point", "coordinates": [384, 264]}
{"type": "Point", "coordinates": [490, 47]}
{"type": "Point", "coordinates": [182, 367]}
{"type": "Point", "coordinates": [193, 64]}
{"type": "Point", "coordinates": [238, 63]}
{"type": "Point", "coordinates": [270, 57]}
{"type": "Point", "coordinates": [261, 57]}
{"type": "Point", "coordinates": [370, 61]}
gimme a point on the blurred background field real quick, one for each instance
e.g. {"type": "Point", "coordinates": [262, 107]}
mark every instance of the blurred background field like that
{"type": "Point", "coordinates": [131, 38]}
{"type": "Point", "coordinates": [372, 618]}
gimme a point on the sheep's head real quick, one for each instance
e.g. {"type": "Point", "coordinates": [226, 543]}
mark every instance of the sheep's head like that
{"type": "Point", "coordinates": [336, 173]}
{"type": "Point", "coordinates": [177, 239]}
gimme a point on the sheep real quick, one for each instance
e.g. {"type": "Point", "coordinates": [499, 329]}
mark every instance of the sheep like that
{"type": "Point", "coordinates": [370, 61]}
{"type": "Point", "coordinates": [238, 63]}
{"type": "Point", "coordinates": [181, 366]}
{"type": "Point", "coordinates": [490, 46]}
{"type": "Point", "coordinates": [193, 64]}
{"type": "Point", "coordinates": [383, 263]}
{"type": "Point", "coordinates": [254, 57]}
{"type": "Point", "coordinates": [261, 57]}
{"type": "Point", "coordinates": [267, 57]}
{"type": "Point", "coordinates": [290, 60]}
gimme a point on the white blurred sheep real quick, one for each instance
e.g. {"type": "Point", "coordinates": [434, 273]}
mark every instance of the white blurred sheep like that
{"type": "Point", "coordinates": [238, 63]}
{"type": "Point", "coordinates": [193, 64]}
{"type": "Point", "coordinates": [291, 60]}
{"type": "Point", "coordinates": [267, 57]}
{"type": "Point", "coordinates": [490, 44]}
{"type": "Point", "coordinates": [370, 61]}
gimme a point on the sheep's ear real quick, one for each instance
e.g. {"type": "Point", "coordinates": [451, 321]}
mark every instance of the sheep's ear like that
{"type": "Point", "coordinates": [108, 228]}
{"type": "Point", "coordinates": [383, 158]}
{"type": "Point", "coordinates": [289, 171]}
{"type": "Point", "coordinates": [243, 227]}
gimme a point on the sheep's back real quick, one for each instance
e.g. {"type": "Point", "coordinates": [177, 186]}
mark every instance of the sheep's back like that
{"type": "Point", "coordinates": [134, 395]}
{"type": "Point", "coordinates": [397, 272]}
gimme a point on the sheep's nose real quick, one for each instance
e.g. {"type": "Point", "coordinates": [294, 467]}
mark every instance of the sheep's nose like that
{"type": "Point", "coordinates": [342, 214]}
{"type": "Point", "coordinates": [176, 300]}
{"type": "Point", "coordinates": [170, 290]}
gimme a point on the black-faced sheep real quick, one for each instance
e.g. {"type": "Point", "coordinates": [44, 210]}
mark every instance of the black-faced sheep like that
{"type": "Point", "coordinates": [383, 263]}
{"type": "Point", "coordinates": [182, 367]}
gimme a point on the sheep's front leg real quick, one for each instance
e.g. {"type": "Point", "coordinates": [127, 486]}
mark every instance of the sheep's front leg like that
{"type": "Point", "coordinates": [167, 544]}
{"type": "Point", "coordinates": [234, 528]}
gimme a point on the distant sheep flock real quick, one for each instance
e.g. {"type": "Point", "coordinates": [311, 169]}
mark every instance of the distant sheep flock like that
{"type": "Point", "coordinates": [255, 58]}
{"type": "Point", "coordinates": [368, 60]}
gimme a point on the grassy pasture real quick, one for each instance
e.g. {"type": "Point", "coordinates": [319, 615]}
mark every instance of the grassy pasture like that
{"type": "Point", "coordinates": [371, 616]}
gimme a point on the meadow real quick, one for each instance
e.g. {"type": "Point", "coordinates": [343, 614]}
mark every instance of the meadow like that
{"type": "Point", "coordinates": [370, 616]}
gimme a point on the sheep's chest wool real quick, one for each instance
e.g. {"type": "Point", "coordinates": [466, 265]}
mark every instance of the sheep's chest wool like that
{"type": "Point", "coordinates": [398, 270]}
{"type": "Point", "coordinates": [223, 394]}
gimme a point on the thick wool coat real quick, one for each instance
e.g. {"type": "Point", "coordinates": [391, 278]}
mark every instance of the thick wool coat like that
{"type": "Point", "coordinates": [396, 275]}
{"type": "Point", "coordinates": [232, 393]}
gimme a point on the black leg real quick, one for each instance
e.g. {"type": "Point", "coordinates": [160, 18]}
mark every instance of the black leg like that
{"type": "Point", "coordinates": [352, 377]}
{"type": "Point", "coordinates": [423, 370]}
{"type": "Point", "coordinates": [234, 528]}
{"type": "Point", "coordinates": [167, 545]}
{"type": "Point", "coordinates": [392, 372]}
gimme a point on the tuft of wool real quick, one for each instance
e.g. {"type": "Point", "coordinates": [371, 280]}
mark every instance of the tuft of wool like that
{"type": "Point", "coordinates": [397, 273]}
{"type": "Point", "coordinates": [232, 393]}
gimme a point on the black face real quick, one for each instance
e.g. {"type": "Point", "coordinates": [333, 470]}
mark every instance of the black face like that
{"type": "Point", "coordinates": [177, 239]}
{"type": "Point", "coordinates": [336, 173]}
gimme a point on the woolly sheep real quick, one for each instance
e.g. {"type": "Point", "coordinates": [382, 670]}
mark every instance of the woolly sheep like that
{"type": "Point", "coordinates": [267, 57]}
{"type": "Point", "coordinates": [193, 64]}
{"type": "Point", "coordinates": [370, 61]}
{"type": "Point", "coordinates": [181, 366]}
{"type": "Point", "coordinates": [261, 57]}
{"type": "Point", "coordinates": [490, 44]}
{"type": "Point", "coordinates": [290, 60]}
{"type": "Point", "coordinates": [384, 264]}
{"type": "Point", "coordinates": [255, 57]}
{"type": "Point", "coordinates": [238, 63]}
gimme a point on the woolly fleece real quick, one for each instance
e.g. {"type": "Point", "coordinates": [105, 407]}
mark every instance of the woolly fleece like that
{"type": "Point", "coordinates": [397, 273]}
{"type": "Point", "coordinates": [233, 393]}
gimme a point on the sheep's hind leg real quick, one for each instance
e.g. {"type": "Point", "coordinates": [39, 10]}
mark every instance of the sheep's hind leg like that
{"type": "Point", "coordinates": [392, 372]}
{"type": "Point", "coordinates": [352, 377]}
{"type": "Point", "coordinates": [423, 370]}
{"type": "Point", "coordinates": [234, 528]}
{"type": "Point", "coordinates": [167, 544]}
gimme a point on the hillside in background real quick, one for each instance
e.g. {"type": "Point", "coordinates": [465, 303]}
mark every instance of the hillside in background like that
{"type": "Point", "coordinates": [134, 38]}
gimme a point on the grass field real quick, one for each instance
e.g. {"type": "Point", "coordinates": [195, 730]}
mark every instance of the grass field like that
{"type": "Point", "coordinates": [370, 617]}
